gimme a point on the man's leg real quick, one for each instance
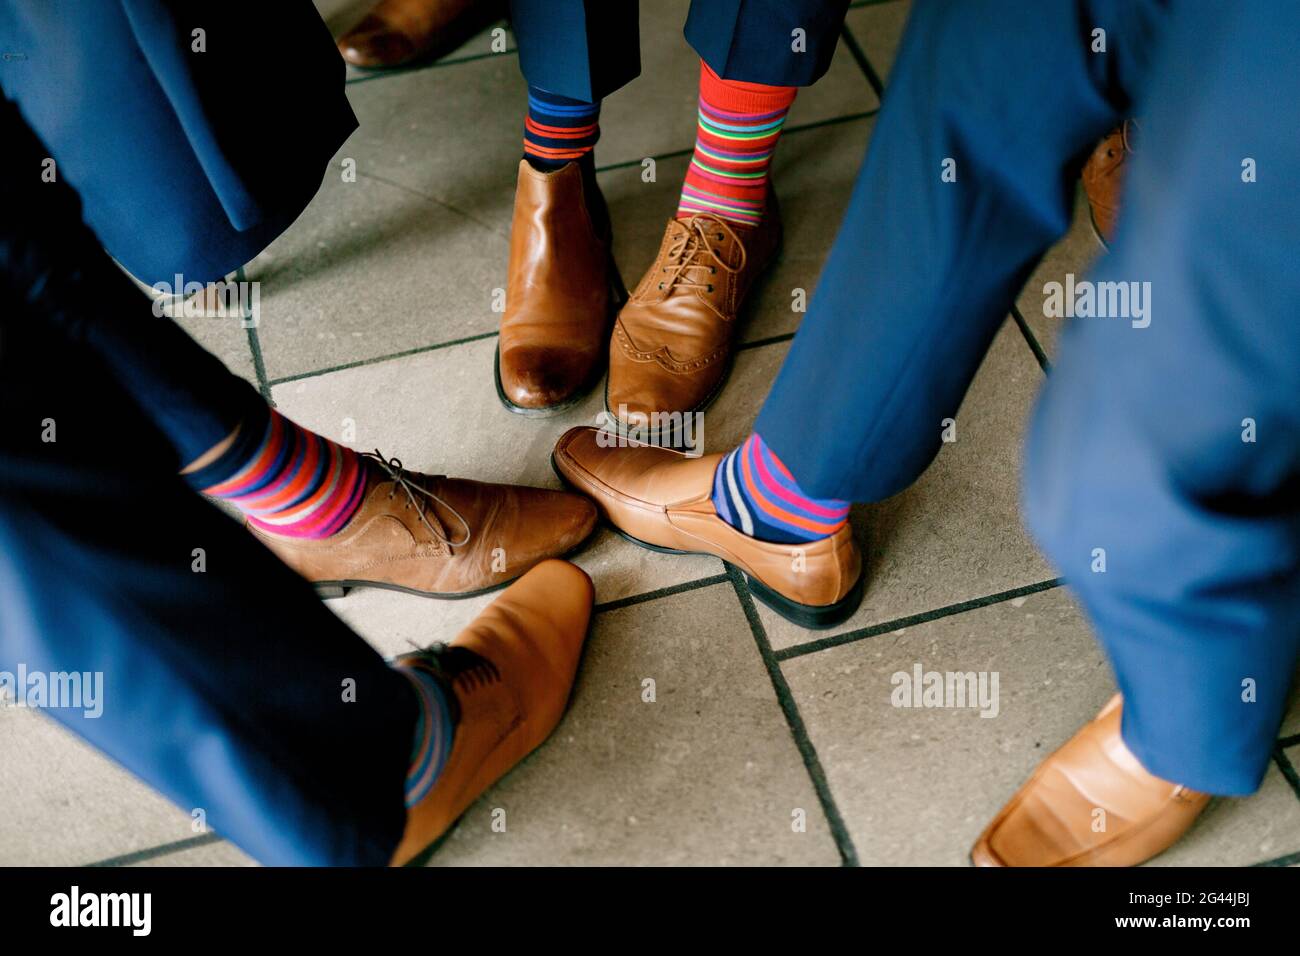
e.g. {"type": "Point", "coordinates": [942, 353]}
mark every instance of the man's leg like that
{"type": "Point", "coordinates": [561, 285]}
{"type": "Point", "coordinates": [922, 273]}
{"type": "Point", "coordinates": [226, 684]}
{"type": "Point", "coordinates": [968, 180]}
{"type": "Point", "coordinates": [672, 344]}
{"type": "Point", "coordinates": [1169, 455]}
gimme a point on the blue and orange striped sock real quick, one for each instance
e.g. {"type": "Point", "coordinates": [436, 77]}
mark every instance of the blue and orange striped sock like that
{"type": "Point", "coordinates": [559, 130]}
{"type": "Point", "coordinates": [756, 494]}
{"type": "Point", "coordinates": [286, 479]}
{"type": "Point", "coordinates": [434, 732]}
{"type": "Point", "coordinates": [739, 125]}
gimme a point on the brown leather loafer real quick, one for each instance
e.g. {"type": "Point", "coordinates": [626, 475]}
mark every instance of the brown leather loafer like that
{"type": "Point", "coordinates": [561, 293]}
{"type": "Point", "coordinates": [511, 672]}
{"type": "Point", "coordinates": [1103, 178]}
{"type": "Point", "coordinates": [437, 536]}
{"type": "Point", "coordinates": [1090, 804]}
{"type": "Point", "coordinates": [660, 499]}
{"type": "Point", "coordinates": [673, 341]}
{"type": "Point", "coordinates": [401, 32]}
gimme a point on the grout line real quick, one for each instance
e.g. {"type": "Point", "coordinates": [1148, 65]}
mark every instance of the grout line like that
{"type": "Point", "coordinates": [657, 593]}
{"type": "Point", "coordinates": [912, 620]}
{"type": "Point", "coordinates": [153, 852]}
{"type": "Point", "coordinates": [788, 130]}
{"type": "Point", "coordinates": [1291, 741]}
{"type": "Point", "coordinates": [864, 64]}
{"type": "Point", "coordinates": [380, 358]}
{"type": "Point", "coordinates": [269, 384]}
{"type": "Point", "coordinates": [812, 763]}
{"type": "Point", "coordinates": [1291, 859]}
{"type": "Point", "coordinates": [1288, 771]}
{"type": "Point", "coordinates": [770, 340]}
{"type": "Point", "coordinates": [255, 346]}
{"type": "Point", "coordinates": [1030, 339]}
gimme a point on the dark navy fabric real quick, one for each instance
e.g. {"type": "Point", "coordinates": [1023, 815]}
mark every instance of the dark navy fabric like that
{"type": "Point", "coordinates": [223, 685]}
{"type": "Point", "coordinates": [187, 161]}
{"type": "Point", "coordinates": [587, 49]}
{"type": "Point", "coordinates": [1137, 443]}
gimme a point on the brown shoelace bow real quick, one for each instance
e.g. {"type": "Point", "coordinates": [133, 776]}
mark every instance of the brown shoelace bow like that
{"type": "Point", "coordinates": [692, 248]}
{"type": "Point", "coordinates": [392, 467]}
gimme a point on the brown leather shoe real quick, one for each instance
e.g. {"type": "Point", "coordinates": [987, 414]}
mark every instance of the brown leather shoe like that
{"type": "Point", "coordinates": [672, 344]}
{"type": "Point", "coordinates": [660, 499]}
{"type": "Point", "coordinates": [1103, 178]}
{"type": "Point", "coordinates": [561, 294]}
{"type": "Point", "coordinates": [401, 32]}
{"type": "Point", "coordinates": [511, 672]}
{"type": "Point", "coordinates": [1054, 819]}
{"type": "Point", "coordinates": [437, 536]}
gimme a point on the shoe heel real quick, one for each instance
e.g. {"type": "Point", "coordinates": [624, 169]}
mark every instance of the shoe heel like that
{"type": "Point", "coordinates": [815, 617]}
{"type": "Point", "coordinates": [327, 592]}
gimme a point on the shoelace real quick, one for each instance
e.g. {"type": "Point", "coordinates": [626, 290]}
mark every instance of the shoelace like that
{"type": "Point", "coordinates": [397, 474]}
{"type": "Point", "coordinates": [692, 248]}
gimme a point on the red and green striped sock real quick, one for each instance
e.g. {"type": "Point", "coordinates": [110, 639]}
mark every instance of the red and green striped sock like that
{"type": "Point", "coordinates": [739, 125]}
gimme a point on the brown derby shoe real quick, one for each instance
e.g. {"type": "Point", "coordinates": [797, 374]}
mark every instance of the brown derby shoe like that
{"type": "Point", "coordinates": [398, 33]}
{"type": "Point", "coordinates": [561, 293]}
{"type": "Point", "coordinates": [510, 672]}
{"type": "Point", "coordinates": [660, 499]}
{"type": "Point", "coordinates": [673, 340]}
{"type": "Point", "coordinates": [437, 536]}
{"type": "Point", "coordinates": [1103, 178]}
{"type": "Point", "coordinates": [1050, 820]}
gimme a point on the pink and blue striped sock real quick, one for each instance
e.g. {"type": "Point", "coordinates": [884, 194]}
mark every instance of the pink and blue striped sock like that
{"type": "Point", "coordinates": [286, 479]}
{"type": "Point", "coordinates": [756, 494]}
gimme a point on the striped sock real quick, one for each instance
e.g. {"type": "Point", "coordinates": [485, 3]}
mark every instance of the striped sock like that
{"type": "Point", "coordinates": [434, 731]}
{"type": "Point", "coordinates": [756, 494]}
{"type": "Point", "coordinates": [739, 125]}
{"type": "Point", "coordinates": [559, 130]}
{"type": "Point", "coordinates": [285, 479]}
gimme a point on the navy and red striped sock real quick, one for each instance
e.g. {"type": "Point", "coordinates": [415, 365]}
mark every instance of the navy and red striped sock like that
{"type": "Point", "coordinates": [559, 130]}
{"type": "Point", "coordinates": [756, 494]}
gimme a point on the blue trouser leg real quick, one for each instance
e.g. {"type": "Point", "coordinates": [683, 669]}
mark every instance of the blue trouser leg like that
{"type": "Point", "coordinates": [182, 389]}
{"type": "Point", "coordinates": [1136, 449]}
{"type": "Point", "coordinates": [582, 49]}
{"type": "Point", "coordinates": [224, 682]}
{"type": "Point", "coordinates": [587, 49]}
{"type": "Point", "coordinates": [924, 271]}
{"type": "Point", "coordinates": [223, 688]}
{"type": "Point", "coordinates": [754, 41]}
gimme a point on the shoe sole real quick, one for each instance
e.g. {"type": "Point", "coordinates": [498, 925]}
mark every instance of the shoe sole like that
{"type": "Point", "coordinates": [617, 296]}
{"type": "Point", "coordinates": [813, 617]}
{"type": "Point", "coordinates": [331, 590]}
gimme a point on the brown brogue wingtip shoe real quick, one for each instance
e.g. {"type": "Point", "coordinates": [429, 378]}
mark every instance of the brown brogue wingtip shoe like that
{"type": "Point", "coordinates": [1126, 817]}
{"type": "Point", "coordinates": [400, 33]}
{"type": "Point", "coordinates": [436, 536]}
{"type": "Point", "coordinates": [512, 671]}
{"type": "Point", "coordinates": [660, 498]}
{"type": "Point", "coordinates": [561, 294]}
{"type": "Point", "coordinates": [1103, 178]}
{"type": "Point", "coordinates": [674, 339]}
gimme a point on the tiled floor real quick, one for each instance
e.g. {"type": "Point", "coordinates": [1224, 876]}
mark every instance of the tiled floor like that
{"type": "Point", "coordinates": [376, 307]}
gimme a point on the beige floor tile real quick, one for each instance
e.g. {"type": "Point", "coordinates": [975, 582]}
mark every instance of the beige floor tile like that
{"type": "Point", "coordinates": [956, 534]}
{"type": "Point", "coordinates": [878, 28]}
{"type": "Point", "coordinates": [707, 774]}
